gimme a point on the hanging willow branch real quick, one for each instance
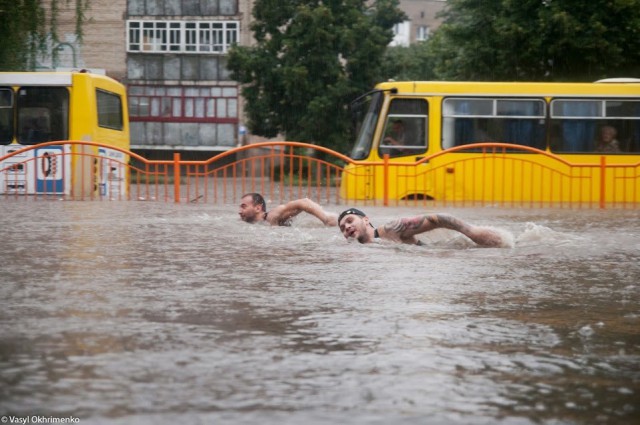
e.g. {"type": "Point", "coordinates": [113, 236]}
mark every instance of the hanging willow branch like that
{"type": "Point", "coordinates": [82, 6]}
{"type": "Point", "coordinates": [25, 30]}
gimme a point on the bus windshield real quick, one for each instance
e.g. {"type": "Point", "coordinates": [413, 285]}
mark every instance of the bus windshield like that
{"type": "Point", "coordinates": [365, 112]}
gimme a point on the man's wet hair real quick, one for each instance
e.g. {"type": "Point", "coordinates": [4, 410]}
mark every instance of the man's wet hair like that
{"type": "Point", "coordinates": [257, 199]}
{"type": "Point", "coordinates": [350, 211]}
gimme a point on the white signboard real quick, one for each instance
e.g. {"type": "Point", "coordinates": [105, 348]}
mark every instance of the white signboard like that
{"type": "Point", "coordinates": [112, 174]}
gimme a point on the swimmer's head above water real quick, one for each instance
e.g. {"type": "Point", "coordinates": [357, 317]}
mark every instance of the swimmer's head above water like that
{"type": "Point", "coordinates": [354, 224]}
{"type": "Point", "coordinates": [253, 208]}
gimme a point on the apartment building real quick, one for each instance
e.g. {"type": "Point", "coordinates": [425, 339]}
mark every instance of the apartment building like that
{"type": "Point", "coordinates": [181, 95]}
{"type": "Point", "coordinates": [421, 21]}
{"type": "Point", "coordinates": [172, 55]}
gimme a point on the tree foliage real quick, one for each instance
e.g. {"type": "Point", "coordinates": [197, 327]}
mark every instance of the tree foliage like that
{"type": "Point", "coordinates": [537, 40]}
{"type": "Point", "coordinates": [310, 59]}
{"type": "Point", "coordinates": [28, 27]}
{"type": "Point", "coordinates": [410, 63]}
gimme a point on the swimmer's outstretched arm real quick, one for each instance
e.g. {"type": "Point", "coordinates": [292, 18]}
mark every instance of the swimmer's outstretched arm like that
{"type": "Point", "coordinates": [284, 212]}
{"type": "Point", "coordinates": [405, 229]}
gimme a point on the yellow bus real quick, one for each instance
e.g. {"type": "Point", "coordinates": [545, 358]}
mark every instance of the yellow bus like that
{"type": "Point", "coordinates": [41, 107]}
{"type": "Point", "coordinates": [551, 142]}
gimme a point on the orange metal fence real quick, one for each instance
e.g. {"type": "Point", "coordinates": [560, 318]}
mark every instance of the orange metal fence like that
{"type": "Point", "coordinates": [472, 175]}
{"type": "Point", "coordinates": [504, 175]}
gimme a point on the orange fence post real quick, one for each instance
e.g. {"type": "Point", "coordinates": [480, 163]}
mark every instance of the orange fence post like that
{"type": "Point", "coordinates": [176, 177]}
{"type": "Point", "coordinates": [385, 180]}
{"type": "Point", "coordinates": [603, 168]}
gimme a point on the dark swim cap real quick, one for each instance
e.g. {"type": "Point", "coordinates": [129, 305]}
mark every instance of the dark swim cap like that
{"type": "Point", "coordinates": [350, 211]}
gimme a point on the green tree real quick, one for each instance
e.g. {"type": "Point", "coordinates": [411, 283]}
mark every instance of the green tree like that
{"type": "Point", "coordinates": [310, 59]}
{"type": "Point", "coordinates": [537, 40]}
{"type": "Point", "coordinates": [410, 63]}
{"type": "Point", "coordinates": [26, 28]}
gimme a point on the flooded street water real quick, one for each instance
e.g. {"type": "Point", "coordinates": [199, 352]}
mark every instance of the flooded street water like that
{"type": "Point", "coordinates": [157, 313]}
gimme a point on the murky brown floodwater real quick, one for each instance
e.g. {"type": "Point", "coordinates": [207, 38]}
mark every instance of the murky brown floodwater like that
{"type": "Point", "coordinates": [156, 313]}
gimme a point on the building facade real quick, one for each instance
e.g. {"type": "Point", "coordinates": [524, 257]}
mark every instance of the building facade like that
{"type": "Point", "coordinates": [181, 95]}
{"type": "Point", "coordinates": [172, 56]}
{"type": "Point", "coordinates": [421, 21]}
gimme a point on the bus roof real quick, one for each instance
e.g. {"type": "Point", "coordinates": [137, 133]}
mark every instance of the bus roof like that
{"type": "Point", "coordinates": [35, 78]}
{"type": "Point", "coordinates": [482, 88]}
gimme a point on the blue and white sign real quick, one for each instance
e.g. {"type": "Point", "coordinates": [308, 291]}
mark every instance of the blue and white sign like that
{"type": "Point", "coordinates": [50, 166]}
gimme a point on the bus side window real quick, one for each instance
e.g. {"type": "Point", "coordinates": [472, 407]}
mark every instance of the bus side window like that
{"type": "Point", "coordinates": [522, 121]}
{"type": "Point", "coordinates": [109, 110]}
{"type": "Point", "coordinates": [465, 121]}
{"type": "Point", "coordinates": [582, 123]}
{"type": "Point", "coordinates": [405, 131]}
{"type": "Point", "coordinates": [623, 116]}
{"type": "Point", "coordinates": [519, 121]}
{"type": "Point", "coordinates": [578, 123]}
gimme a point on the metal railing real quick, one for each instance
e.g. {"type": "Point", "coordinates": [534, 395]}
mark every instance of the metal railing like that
{"type": "Point", "coordinates": [495, 174]}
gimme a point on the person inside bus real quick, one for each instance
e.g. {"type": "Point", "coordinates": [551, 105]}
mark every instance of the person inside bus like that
{"type": "Point", "coordinates": [607, 141]}
{"type": "Point", "coordinates": [355, 224]}
{"type": "Point", "coordinates": [395, 136]}
{"type": "Point", "coordinates": [253, 209]}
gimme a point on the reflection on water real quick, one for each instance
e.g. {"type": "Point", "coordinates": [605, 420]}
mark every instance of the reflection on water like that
{"type": "Point", "coordinates": [125, 312]}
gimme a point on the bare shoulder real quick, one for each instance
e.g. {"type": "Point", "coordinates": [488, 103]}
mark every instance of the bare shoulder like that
{"type": "Point", "coordinates": [275, 214]}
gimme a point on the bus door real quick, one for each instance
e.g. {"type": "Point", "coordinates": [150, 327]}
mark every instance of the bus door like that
{"type": "Point", "coordinates": [405, 139]}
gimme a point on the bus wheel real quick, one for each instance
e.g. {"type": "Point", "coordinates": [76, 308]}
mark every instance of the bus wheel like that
{"type": "Point", "coordinates": [418, 197]}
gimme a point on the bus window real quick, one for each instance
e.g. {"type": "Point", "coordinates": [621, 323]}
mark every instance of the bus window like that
{"type": "Point", "coordinates": [405, 130]}
{"type": "Point", "coordinates": [477, 120]}
{"type": "Point", "coordinates": [6, 116]}
{"type": "Point", "coordinates": [43, 114]}
{"type": "Point", "coordinates": [109, 110]}
{"type": "Point", "coordinates": [595, 125]}
{"type": "Point", "coordinates": [624, 116]}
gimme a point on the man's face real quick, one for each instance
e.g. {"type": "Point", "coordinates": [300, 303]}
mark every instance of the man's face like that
{"type": "Point", "coordinates": [248, 210]}
{"type": "Point", "coordinates": [608, 134]}
{"type": "Point", "coordinates": [354, 226]}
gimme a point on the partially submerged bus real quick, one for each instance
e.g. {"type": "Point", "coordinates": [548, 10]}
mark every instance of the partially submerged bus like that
{"type": "Point", "coordinates": [422, 140]}
{"type": "Point", "coordinates": [40, 107]}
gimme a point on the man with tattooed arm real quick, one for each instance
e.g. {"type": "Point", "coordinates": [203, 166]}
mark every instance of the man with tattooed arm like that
{"type": "Point", "coordinates": [354, 224]}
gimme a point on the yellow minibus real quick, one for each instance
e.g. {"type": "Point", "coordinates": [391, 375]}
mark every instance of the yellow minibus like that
{"type": "Point", "coordinates": [43, 107]}
{"type": "Point", "coordinates": [502, 141]}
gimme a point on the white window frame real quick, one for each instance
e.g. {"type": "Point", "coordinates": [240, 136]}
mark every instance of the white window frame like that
{"type": "Point", "coordinates": [422, 33]}
{"type": "Point", "coordinates": [199, 37]}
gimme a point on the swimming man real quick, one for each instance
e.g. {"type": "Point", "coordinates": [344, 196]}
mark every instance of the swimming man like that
{"type": "Point", "coordinates": [253, 209]}
{"type": "Point", "coordinates": [354, 224]}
